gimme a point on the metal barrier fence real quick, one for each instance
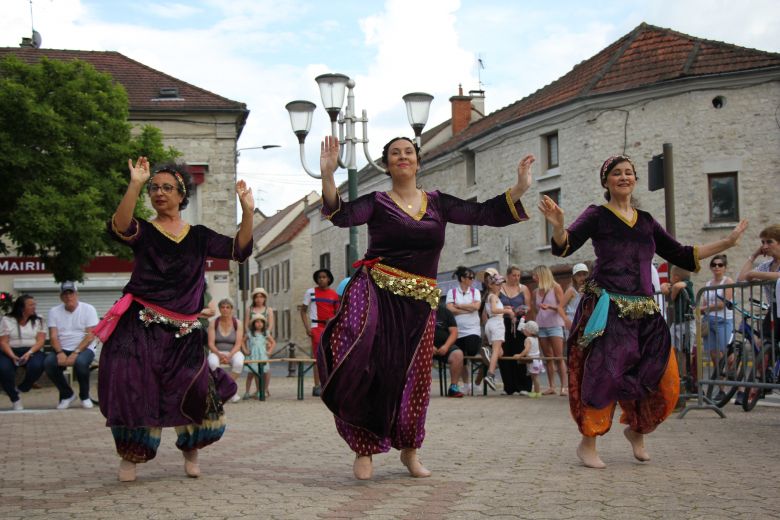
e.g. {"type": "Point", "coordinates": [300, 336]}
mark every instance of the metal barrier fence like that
{"type": "Point", "coordinates": [735, 346]}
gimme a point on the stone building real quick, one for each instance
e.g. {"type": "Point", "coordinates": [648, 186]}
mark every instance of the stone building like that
{"type": "Point", "coordinates": [202, 125]}
{"type": "Point", "coordinates": [286, 274]}
{"type": "Point", "coordinates": [714, 102]}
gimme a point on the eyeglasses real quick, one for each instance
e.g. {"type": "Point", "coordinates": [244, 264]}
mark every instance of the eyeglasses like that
{"type": "Point", "coordinates": [717, 265]}
{"type": "Point", "coordinates": [166, 188]}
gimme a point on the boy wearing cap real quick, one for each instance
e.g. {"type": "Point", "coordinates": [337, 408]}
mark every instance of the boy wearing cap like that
{"type": "Point", "coordinates": [321, 302]}
{"type": "Point", "coordinates": [70, 330]}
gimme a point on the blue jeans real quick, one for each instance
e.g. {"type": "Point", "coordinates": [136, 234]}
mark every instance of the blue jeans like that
{"type": "Point", "coordinates": [720, 333]}
{"type": "Point", "coordinates": [34, 367]}
{"type": "Point", "coordinates": [80, 370]}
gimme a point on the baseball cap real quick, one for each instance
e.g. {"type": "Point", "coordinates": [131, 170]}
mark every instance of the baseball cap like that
{"type": "Point", "coordinates": [68, 286]}
{"type": "Point", "coordinates": [579, 268]}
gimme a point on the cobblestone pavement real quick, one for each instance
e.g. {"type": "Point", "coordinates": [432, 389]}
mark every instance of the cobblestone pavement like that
{"type": "Point", "coordinates": [491, 457]}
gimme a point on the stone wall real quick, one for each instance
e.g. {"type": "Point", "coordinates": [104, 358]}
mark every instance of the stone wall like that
{"type": "Point", "coordinates": [298, 253]}
{"type": "Point", "coordinates": [743, 136]}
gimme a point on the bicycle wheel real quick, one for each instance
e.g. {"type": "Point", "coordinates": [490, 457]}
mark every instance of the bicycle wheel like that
{"type": "Point", "coordinates": [759, 374]}
{"type": "Point", "coordinates": [726, 372]}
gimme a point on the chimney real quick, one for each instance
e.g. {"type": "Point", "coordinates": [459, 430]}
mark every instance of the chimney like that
{"type": "Point", "coordinates": [27, 42]}
{"type": "Point", "coordinates": [461, 111]}
{"type": "Point", "coordinates": [478, 102]}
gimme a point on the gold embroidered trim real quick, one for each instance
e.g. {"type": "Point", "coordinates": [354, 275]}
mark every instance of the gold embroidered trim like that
{"type": "Point", "coordinates": [170, 235]}
{"type": "Point", "coordinates": [403, 274]}
{"type": "Point", "coordinates": [338, 195]}
{"type": "Point", "coordinates": [621, 217]}
{"type": "Point", "coordinates": [696, 259]}
{"type": "Point", "coordinates": [423, 206]}
{"type": "Point", "coordinates": [407, 284]}
{"type": "Point", "coordinates": [120, 235]}
{"type": "Point", "coordinates": [566, 248]}
{"type": "Point", "coordinates": [629, 306]}
{"type": "Point", "coordinates": [513, 209]}
{"type": "Point", "coordinates": [149, 316]}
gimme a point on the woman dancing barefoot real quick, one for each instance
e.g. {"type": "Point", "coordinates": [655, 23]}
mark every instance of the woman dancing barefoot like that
{"type": "Point", "coordinates": [619, 348]}
{"type": "Point", "coordinates": [374, 358]}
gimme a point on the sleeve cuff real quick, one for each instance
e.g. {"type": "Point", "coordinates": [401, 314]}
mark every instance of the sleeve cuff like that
{"type": "Point", "coordinates": [240, 256]}
{"type": "Point", "coordinates": [326, 210]}
{"type": "Point", "coordinates": [555, 248]}
{"type": "Point", "coordinates": [514, 207]}
{"type": "Point", "coordinates": [123, 236]}
{"type": "Point", "coordinates": [696, 259]}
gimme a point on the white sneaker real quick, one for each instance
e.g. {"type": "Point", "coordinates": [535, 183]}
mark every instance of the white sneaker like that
{"type": "Point", "coordinates": [65, 403]}
{"type": "Point", "coordinates": [503, 392]}
{"type": "Point", "coordinates": [523, 392]}
{"type": "Point", "coordinates": [466, 389]}
{"type": "Point", "coordinates": [236, 398]}
{"type": "Point", "coordinates": [18, 406]}
{"type": "Point", "coordinates": [87, 403]}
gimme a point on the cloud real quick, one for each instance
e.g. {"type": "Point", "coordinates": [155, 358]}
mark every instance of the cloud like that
{"type": "Point", "coordinates": [173, 10]}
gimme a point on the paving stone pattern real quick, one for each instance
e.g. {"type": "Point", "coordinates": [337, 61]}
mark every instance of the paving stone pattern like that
{"type": "Point", "coordinates": [491, 457]}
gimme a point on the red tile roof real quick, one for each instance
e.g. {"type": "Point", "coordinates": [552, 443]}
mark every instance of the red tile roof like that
{"type": "Point", "coordinates": [141, 82]}
{"type": "Point", "coordinates": [266, 225]}
{"type": "Point", "coordinates": [646, 56]}
{"type": "Point", "coordinates": [290, 232]}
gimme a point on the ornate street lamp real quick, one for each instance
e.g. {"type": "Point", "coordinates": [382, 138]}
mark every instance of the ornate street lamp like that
{"type": "Point", "coordinates": [332, 88]}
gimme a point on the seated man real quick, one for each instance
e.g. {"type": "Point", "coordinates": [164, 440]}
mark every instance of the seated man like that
{"type": "Point", "coordinates": [445, 350]}
{"type": "Point", "coordinates": [70, 330]}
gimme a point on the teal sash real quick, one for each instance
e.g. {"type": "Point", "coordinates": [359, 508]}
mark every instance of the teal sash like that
{"type": "Point", "coordinates": [634, 307]}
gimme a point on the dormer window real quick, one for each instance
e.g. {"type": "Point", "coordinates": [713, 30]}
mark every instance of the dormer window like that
{"type": "Point", "coordinates": [169, 92]}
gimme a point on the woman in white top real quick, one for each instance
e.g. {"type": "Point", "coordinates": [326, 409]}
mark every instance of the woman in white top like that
{"type": "Point", "coordinates": [464, 302]}
{"type": "Point", "coordinates": [22, 334]}
{"type": "Point", "coordinates": [573, 295]}
{"type": "Point", "coordinates": [720, 319]}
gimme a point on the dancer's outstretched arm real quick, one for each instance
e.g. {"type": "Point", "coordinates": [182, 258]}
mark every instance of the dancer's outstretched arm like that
{"type": "Point", "coordinates": [328, 163]}
{"type": "Point", "coordinates": [554, 215]}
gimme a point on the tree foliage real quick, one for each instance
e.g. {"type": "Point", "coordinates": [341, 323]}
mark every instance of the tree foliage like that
{"type": "Point", "coordinates": [64, 146]}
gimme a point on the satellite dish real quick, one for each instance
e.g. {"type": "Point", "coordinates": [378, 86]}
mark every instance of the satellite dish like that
{"type": "Point", "coordinates": [36, 39]}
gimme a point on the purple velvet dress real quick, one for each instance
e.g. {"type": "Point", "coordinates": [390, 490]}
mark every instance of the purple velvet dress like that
{"type": "Point", "coordinates": [149, 377]}
{"type": "Point", "coordinates": [374, 357]}
{"type": "Point", "coordinates": [628, 361]}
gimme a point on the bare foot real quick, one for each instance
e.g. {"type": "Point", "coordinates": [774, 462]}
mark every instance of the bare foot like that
{"type": "Point", "coordinates": [637, 441]}
{"type": "Point", "coordinates": [126, 471]}
{"type": "Point", "coordinates": [586, 452]}
{"type": "Point", "coordinates": [363, 467]}
{"type": "Point", "coordinates": [413, 464]}
{"type": "Point", "coordinates": [191, 466]}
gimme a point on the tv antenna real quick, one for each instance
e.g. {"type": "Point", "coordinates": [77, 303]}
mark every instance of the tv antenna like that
{"type": "Point", "coordinates": [480, 66]}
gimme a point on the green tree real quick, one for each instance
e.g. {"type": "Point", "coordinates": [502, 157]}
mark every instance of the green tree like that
{"type": "Point", "coordinates": [64, 146]}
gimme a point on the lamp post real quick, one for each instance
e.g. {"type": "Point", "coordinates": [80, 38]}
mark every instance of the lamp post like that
{"type": "Point", "coordinates": [332, 88]}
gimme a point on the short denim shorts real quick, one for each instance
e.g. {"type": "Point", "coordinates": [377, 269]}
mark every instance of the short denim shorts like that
{"type": "Point", "coordinates": [551, 332]}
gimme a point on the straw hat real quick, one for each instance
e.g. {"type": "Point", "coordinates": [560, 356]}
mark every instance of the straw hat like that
{"type": "Point", "coordinates": [257, 317]}
{"type": "Point", "coordinates": [481, 274]}
{"type": "Point", "coordinates": [259, 290]}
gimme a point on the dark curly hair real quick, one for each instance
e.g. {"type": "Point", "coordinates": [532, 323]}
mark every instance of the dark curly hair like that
{"type": "Point", "coordinates": [603, 174]}
{"type": "Point", "coordinates": [386, 149]}
{"type": "Point", "coordinates": [175, 167]}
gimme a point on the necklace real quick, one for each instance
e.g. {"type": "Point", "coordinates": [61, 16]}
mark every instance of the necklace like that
{"type": "Point", "coordinates": [403, 199]}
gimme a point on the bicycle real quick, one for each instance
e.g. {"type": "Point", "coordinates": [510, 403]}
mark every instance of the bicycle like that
{"type": "Point", "coordinates": [763, 371]}
{"type": "Point", "coordinates": [732, 366]}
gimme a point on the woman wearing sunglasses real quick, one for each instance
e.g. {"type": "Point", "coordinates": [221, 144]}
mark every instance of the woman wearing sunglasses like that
{"type": "Point", "coordinates": [719, 318]}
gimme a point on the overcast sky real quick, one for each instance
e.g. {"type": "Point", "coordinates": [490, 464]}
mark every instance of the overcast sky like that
{"type": "Point", "coordinates": [266, 53]}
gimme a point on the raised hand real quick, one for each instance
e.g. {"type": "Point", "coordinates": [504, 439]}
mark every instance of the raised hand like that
{"type": "Point", "coordinates": [329, 158]}
{"type": "Point", "coordinates": [524, 178]}
{"type": "Point", "coordinates": [245, 197]}
{"type": "Point", "coordinates": [552, 212]}
{"type": "Point", "coordinates": [736, 235]}
{"type": "Point", "coordinates": [139, 173]}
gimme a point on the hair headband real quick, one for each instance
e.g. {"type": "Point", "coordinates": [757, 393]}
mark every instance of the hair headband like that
{"type": "Point", "coordinates": [610, 161]}
{"type": "Point", "coordinates": [178, 178]}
